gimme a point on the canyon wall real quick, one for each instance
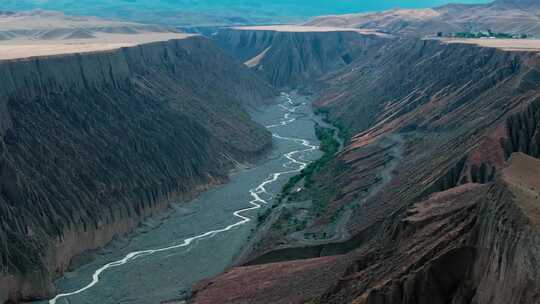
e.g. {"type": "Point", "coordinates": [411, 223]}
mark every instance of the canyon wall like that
{"type": "Point", "coordinates": [450, 228]}
{"type": "Point", "coordinates": [438, 193]}
{"type": "Point", "coordinates": [92, 144]}
{"type": "Point", "coordinates": [294, 59]}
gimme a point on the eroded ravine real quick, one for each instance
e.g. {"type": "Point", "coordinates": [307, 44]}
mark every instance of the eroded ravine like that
{"type": "Point", "coordinates": [126, 275]}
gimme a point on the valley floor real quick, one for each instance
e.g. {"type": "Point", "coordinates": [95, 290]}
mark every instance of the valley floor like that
{"type": "Point", "coordinates": [137, 281]}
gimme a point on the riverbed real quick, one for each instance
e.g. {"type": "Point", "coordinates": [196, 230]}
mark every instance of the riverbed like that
{"type": "Point", "coordinates": [198, 239]}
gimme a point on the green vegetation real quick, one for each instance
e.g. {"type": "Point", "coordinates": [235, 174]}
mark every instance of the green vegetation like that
{"type": "Point", "coordinates": [289, 222]}
{"type": "Point", "coordinates": [343, 131]}
{"type": "Point", "coordinates": [483, 34]}
{"type": "Point", "coordinates": [263, 216]}
{"type": "Point", "coordinates": [314, 190]}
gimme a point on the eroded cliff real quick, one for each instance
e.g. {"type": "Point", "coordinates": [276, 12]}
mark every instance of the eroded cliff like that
{"type": "Point", "coordinates": [92, 144]}
{"type": "Point", "coordinates": [292, 58]}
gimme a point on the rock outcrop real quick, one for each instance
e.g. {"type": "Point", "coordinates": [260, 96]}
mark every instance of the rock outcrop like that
{"type": "Point", "coordinates": [92, 144]}
{"type": "Point", "coordinates": [471, 244]}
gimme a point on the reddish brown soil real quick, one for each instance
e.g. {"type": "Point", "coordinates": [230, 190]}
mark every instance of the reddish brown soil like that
{"type": "Point", "coordinates": [286, 282]}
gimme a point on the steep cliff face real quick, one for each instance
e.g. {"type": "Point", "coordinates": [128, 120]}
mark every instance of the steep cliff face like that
{"type": "Point", "coordinates": [438, 209]}
{"type": "Point", "coordinates": [294, 58]}
{"type": "Point", "coordinates": [508, 236]}
{"type": "Point", "coordinates": [448, 106]}
{"type": "Point", "coordinates": [524, 131]}
{"type": "Point", "coordinates": [91, 144]}
{"type": "Point", "coordinates": [470, 244]}
{"type": "Point", "coordinates": [460, 112]}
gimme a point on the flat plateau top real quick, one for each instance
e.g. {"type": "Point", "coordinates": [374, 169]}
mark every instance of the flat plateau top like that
{"type": "Point", "coordinates": [504, 44]}
{"type": "Point", "coordinates": [306, 29]}
{"type": "Point", "coordinates": [27, 48]}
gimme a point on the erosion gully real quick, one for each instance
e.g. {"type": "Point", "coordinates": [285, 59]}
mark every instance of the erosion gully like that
{"type": "Point", "coordinates": [199, 239]}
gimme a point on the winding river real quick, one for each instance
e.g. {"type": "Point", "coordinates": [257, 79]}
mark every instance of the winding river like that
{"type": "Point", "coordinates": [199, 239]}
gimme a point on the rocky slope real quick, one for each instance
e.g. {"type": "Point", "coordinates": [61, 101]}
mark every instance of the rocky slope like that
{"type": "Point", "coordinates": [294, 57]}
{"type": "Point", "coordinates": [92, 144]}
{"type": "Point", "coordinates": [461, 113]}
{"type": "Point", "coordinates": [508, 16]}
{"type": "Point", "coordinates": [438, 205]}
{"type": "Point", "coordinates": [470, 244]}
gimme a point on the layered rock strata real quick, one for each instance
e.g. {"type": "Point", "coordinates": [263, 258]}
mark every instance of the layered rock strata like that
{"type": "Point", "coordinates": [290, 57]}
{"type": "Point", "coordinates": [92, 144]}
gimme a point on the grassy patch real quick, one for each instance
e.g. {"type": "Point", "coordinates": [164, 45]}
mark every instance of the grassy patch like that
{"type": "Point", "coordinates": [343, 131]}
{"type": "Point", "coordinates": [329, 146]}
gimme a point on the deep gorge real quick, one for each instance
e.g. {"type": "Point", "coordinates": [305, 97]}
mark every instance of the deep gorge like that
{"type": "Point", "coordinates": [94, 143]}
{"type": "Point", "coordinates": [433, 198]}
{"type": "Point", "coordinates": [422, 184]}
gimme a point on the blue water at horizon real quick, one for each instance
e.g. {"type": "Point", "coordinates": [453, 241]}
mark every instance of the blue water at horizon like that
{"type": "Point", "coordinates": [141, 9]}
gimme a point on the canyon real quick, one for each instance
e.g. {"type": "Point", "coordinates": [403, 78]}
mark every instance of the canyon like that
{"type": "Point", "coordinates": [424, 203]}
{"type": "Point", "coordinates": [134, 129]}
{"type": "Point", "coordinates": [178, 157]}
